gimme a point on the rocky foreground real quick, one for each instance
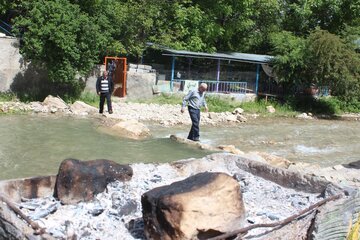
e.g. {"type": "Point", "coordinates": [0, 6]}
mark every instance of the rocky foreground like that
{"type": "Point", "coordinates": [117, 212]}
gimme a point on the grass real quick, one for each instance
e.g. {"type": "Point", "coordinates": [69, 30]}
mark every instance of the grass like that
{"type": "Point", "coordinates": [164, 98]}
{"type": "Point", "coordinates": [217, 104]}
{"type": "Point", "coordinates": [7, 97]}
{"type": "Point", "coordinates": [90, 98]}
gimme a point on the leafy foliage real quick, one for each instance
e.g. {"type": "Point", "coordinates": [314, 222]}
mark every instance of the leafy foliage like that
{"type": "Point", "coordinates": [57, 35]}
{"type": "Point", "coordinates": [313, 40]}
{"type": "Point", "coordinates": [332, 62]}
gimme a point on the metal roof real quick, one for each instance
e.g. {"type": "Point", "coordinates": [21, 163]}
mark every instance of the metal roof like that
{"type": "Point", "coordinates": [235, 56]}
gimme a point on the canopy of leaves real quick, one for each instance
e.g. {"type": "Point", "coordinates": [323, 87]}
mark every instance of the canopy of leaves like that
{"type": "Point", "coordinates": [61, 38]}
{"type": "Point", "coordinates": [69, 36]}
{"type": "Point", "coordinates": [333, 62]}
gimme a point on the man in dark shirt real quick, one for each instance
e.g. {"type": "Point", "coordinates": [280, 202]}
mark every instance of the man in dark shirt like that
{"type": "Point", "coordinates": [104, 88]}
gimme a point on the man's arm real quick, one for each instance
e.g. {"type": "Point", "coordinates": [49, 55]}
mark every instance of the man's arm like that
{"type": "Point", "coordinates": [205, 105]}
{"type": "Point", "coordinates": [185, 99]}
{"type": "Point", "coordinates": [98, 85]}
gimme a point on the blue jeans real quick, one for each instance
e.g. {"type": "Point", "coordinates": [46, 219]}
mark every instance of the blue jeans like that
{"type": "Point", "coordinates": [194, 133]}
{"type": "Point", "coordinates": [108, 102]}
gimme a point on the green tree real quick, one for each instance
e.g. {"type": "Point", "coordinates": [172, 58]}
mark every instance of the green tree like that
{"type": "Point", "coordinates": [242, 26]}
{"type": "Point", "coordinates": [59, 37]}
{"type": "Point", "coordinates": [334, 63]}
{"type": "Point", "coordinates": [289, 63]}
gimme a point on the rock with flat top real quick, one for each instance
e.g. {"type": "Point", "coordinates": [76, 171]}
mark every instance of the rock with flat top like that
{"type": "Point", "coordinates": [199, 207]}
{"type": "Point", "coordinates": [81, 108]}
{"type": "Point", "coordinates": [131, 129]}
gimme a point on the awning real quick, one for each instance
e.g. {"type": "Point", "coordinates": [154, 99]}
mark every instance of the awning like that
{"type": "Point", "coordinates": [235, 56]}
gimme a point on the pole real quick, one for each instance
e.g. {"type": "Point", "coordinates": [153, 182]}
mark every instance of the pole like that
{"type": "Point", "coordinates": [172, 73]}
{"type": "Point", "coordinates": [218, 76]}
{"type": "Point", "coordinates": [257, 79]}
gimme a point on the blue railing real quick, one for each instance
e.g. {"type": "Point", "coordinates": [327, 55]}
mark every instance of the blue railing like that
{"type": "Point", "coordinates": [213, 86]}
{"type": "Point", "coordinates": [5, 28]}
{"type": "Point", "coordinates": [323, 91]}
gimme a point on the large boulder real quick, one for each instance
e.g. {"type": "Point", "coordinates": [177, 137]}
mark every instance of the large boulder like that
{"type": "Point", "coordinates": [79, 181]}
{"type": "Point", "coordinates": [55, 103]}
{"type": "Point", "coordinates": [201, 206]}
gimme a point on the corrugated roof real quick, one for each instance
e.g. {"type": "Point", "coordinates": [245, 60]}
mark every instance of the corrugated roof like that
{"type": "Point", "coordinates": [240, 57]}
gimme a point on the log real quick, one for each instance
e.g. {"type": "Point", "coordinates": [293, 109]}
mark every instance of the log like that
{"type": "Point", "coordinates": [276, 224]}
{"type": "Point", "coordinates": [38, 230]}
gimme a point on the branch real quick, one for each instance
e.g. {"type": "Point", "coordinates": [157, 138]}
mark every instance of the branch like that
{"type": "Point", "coordinates": [12, 206]}
{"type": "Point", "coordinates": [275, 224]}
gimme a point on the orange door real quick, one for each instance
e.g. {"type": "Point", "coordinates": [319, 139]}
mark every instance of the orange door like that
{"type": "Point", "coordinates": [118, 74]}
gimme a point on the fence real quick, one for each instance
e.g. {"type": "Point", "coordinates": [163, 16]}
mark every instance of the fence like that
{"type": "Point", "coordinates": [5, 28]}
{"type": "Point", "coordinates": [213, 86]}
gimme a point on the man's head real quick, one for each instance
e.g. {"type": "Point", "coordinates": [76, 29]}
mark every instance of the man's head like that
{"type": "Point", "coordinates": [105, 73]}
{"type": "Point", "coordinates": [202, 87]}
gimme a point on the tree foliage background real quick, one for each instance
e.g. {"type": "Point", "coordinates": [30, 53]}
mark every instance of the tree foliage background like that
{"type": "Point", "coordinates": [312, 40]}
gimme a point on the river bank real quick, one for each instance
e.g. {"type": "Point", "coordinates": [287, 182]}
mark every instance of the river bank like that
{"type": "Point", "coordinates": [164, 114]}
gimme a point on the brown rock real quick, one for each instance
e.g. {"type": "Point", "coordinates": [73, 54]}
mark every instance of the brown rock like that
{"type": "Point", "coordinates": [201, 206]}
{"type": "Point", "coordinates": [81, 180]}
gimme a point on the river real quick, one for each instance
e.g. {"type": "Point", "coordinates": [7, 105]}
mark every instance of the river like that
{"type": "Point", "coordinates": [35, 145]}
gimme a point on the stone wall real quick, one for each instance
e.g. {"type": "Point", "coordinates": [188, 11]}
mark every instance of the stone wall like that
{"type": "Point", "coordinates": [140, 80]}
{"type": "Point", "coordinates": [10, 62]}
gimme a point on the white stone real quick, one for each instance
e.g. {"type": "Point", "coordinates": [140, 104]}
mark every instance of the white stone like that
{"type": "Point", "coordinates": [81, 108]}
{"type": "Point", "coordinates": [238, 111]}
{"type": "Point", "coordinates": [270, 109]}
{"type": "Point", "coordinates": [55, 102]}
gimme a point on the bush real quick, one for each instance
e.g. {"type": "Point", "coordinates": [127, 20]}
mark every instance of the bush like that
{"type": "Point", "coordinates": [90, 98]}
{"type": "Point", "coordinates": [7, 97]}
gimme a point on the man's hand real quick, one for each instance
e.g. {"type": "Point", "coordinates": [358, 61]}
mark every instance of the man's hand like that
{"type": "Point", "coordinates": [182, 110]}
{"type": "Point", "coordinates": [98, 93]}
{"type": "Point", "coordinates": [206, 110]}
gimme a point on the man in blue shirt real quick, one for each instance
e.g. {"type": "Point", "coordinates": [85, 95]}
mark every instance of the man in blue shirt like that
{"type": "Point", "coordinates": [195, 100]}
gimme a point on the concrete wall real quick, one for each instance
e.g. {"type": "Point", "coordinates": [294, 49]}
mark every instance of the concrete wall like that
{"type": "Point", "coordinates": [140, 81]}
{"type": "Point", "coordinates": [91, 79]}
{"type": "Point", "coordinates": [11, 62]}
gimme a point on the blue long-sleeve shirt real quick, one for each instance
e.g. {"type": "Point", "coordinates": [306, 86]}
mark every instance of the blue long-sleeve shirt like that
{"type": "Point", "coordinates": [195, 99]}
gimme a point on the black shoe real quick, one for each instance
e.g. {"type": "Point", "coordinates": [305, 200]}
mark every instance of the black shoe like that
{"type": "Point", "coordinates": [110, 112]}
{"type": "Point", "coordinates": [196, 140]}
{"type": "Point", "coordinates": [100, 112]}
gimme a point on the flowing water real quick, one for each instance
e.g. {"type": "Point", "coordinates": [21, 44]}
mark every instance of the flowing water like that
{"type": "Point", "coordinates": [34, 145]}
{"type": "Point", "coordinates": [322, 142]}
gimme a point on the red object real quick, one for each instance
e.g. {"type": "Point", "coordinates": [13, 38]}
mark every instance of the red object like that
{"type": "Point", "coordinates": [119, 75]}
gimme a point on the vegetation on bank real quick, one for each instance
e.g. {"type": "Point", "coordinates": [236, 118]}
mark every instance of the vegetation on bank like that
{"type": "Point", "coordinates": [289, 106]}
